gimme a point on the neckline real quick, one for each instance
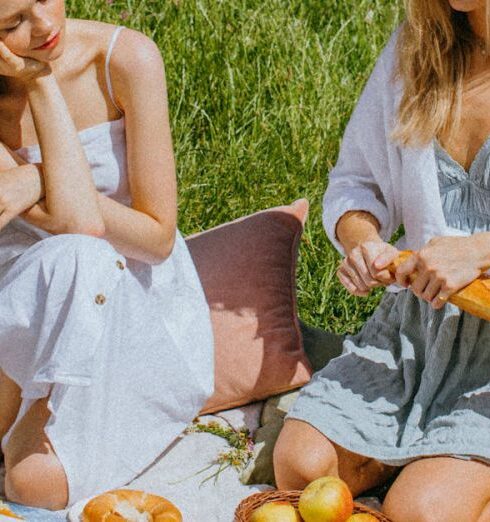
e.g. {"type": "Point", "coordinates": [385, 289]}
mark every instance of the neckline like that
{"type": "Point", "coordinates": [81, 133]}
{"type": "Point", "coordinates": [475, 161]}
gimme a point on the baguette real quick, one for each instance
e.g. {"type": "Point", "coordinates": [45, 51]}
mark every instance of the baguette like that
{"type": "Point", "coordinates": [473, 298]}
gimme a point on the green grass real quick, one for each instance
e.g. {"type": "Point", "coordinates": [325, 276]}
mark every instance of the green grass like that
{"type": "Point", "coordinates": [260, 93]}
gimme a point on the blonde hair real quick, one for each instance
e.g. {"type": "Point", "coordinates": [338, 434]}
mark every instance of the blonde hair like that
{"type": "Point", "coordinates": [433, 57]}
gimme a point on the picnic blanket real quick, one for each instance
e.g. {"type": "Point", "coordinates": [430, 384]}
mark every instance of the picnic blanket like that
{"type": "Point", "coordinates": [175, 476]}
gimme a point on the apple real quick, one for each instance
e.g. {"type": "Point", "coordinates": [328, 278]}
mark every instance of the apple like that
{"type": "Point", "coordinates": [276, 511]}
{"type": "Point", "coordinates": [362, 517]}
{"type": "Point", "coordinates": [326, 499]}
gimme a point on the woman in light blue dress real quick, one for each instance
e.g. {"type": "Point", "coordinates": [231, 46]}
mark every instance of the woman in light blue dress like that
{"type": "Point", "coordinates": [408, 400]}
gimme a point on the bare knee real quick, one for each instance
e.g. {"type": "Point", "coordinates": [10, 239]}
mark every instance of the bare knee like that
{"type": "Point", "coordinates": [428, 503]}
{"type": "Point", "coordinates": [302, 454]}
{"type": "Point", "coordinates": [10, 401]}
{"type": "Point", "coordinates": [34, 474]}
{"type": "Point", "coordinates": [399, 508]}
{"type": "Point", "coordinates": [37, 481]}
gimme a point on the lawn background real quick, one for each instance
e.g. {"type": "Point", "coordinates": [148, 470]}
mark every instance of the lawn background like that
{"type": "Point", "coordinates": [260, 92]}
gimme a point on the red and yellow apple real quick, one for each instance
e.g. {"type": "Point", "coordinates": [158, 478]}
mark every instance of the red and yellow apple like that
{"type": "Point", "coordinates": [362, 517]}
{"type": "Point", "coordinates": [276, 511]}
{"type": "Point", "coordinates": [326, 499]}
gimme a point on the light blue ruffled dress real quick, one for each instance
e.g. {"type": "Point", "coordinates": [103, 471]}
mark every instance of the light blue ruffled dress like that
{"type": "Point", "coordinates": [414, 381]}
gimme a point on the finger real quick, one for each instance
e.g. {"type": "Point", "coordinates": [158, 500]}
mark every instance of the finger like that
{"type": "Point", "coordinates": [439, 301]}
{"type": "Point", "coordinates": [352, 273]}
{"type": "Point", "coordinates": [406, 269]}
{"type": "Point", "coordinates": [431, 290]}
{"type": "Point", "coordinates": [349, 272]}
{"type": "Point", "coordinates": [11, 58]}
{"type": "Point", "coordinates": [385, 259]}
{"type": "Point", "coordinates": [418, 286]}
{"type": "Point", "coordinates": [377, 258]}
{"type": "Point", "coordinates": [358, 261]}
{"type": "Point", "coordinates": [368, 252]}
{"type": "Point", "coordinates": [348, 284]}
{"type": "Point", "coordinates": [385, 277]}
{"type": "Point", "coordinates": [5, 218]}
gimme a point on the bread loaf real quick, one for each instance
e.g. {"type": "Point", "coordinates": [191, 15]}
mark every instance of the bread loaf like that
{"type": "Point", "coordinates": [130, 505]}
{"type": "Point", "coordinates": [473, 298]}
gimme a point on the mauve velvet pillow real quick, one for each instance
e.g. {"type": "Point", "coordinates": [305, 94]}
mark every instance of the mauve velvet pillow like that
{"type": "Point", "coordinates": [248, 271]}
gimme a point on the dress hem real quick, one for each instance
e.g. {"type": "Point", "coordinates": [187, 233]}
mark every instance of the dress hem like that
{"type": "Point", "coordinates": [401, 457]}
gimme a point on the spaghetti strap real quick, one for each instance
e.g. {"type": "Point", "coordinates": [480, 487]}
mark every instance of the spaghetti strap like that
{"type": "Point", "coordinates": [107, 59]}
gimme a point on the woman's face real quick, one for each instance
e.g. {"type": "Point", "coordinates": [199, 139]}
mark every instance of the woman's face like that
{"type": "Point", "coordinates": [27, 24]}
{"type": "Point", "coordinates": [467, 5]}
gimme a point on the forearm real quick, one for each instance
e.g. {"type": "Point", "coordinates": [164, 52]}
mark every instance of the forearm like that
{"type": "Point", "coordinates": [135, 234]}
{"type": "Point", "coordinates": [70, 192]}
{"type": "Point", "coordinates": [355, 227]}
{"type": "Point", "coordinates": [32, 181]}
{"type": "Point", "coordinates": [32, 205]}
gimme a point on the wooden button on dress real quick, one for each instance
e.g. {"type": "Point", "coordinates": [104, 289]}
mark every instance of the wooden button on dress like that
{"type": "Point", "coordinates": [100, 298]}
{"type": "Point", "coordinates": [120, 264]}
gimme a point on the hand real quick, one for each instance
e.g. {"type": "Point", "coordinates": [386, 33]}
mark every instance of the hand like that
{"type": "Point", "coordinates": [20, 67]}
{"type": "Point", "coordinates": [16, 195]}
{"type": "Point", "coordinates": [440, 268]}
{"type": "Point", "coordinates": [364, 267]}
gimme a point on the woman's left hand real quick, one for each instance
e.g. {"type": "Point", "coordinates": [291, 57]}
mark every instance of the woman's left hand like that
{"type": "Point", "coordinates": [442, 267]}
{"type": "Point", "coordinates": [16, 195]}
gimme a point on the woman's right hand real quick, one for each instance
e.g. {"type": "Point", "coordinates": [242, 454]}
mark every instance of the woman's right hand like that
{"type": "Point", "coordinates": [20, 67]}
{"type": "Point", "coordinates": [359, 271]}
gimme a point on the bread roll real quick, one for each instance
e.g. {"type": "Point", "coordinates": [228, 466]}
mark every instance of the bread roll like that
{"type": "Point", "coordinates": [473, 298]}
{"type": "Point", "coordinates": [130, 505]}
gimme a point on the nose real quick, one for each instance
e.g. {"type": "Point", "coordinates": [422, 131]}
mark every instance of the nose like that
{"type": "Point", "coordinates": [42, 24]}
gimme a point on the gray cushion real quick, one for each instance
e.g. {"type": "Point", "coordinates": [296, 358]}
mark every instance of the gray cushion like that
{"type": "Point", "coordinates": [320, 346]}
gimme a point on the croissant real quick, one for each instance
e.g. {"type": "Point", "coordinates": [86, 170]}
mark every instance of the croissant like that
{"type": "Point", "coordinates": [130, 505]}
{"type": "Point", "coordinates": [473, 298]}
{"type": "Point", "coordinates": [7, 512]}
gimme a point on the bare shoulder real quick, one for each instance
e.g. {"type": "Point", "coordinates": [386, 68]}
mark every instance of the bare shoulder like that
{"type": "Point", "coordinates": [132, 48]}
{"type": "Point", "coordinates": [133, 53]}
{"type": "Point", "coordinates": [89, 40]}
{"type": "Point", "coordinates": [134, 56]}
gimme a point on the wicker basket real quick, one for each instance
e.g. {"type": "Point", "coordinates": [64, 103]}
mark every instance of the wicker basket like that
{"type": "Point", "coordinates": [247, 505]}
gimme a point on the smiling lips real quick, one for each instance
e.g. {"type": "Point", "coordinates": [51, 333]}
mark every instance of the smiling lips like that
{"type": "Point", "coordinates": [49, 42]}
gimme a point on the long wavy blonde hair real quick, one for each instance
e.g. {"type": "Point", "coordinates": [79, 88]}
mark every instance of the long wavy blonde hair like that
{"type": "Point", "coordinates": [433, 56]}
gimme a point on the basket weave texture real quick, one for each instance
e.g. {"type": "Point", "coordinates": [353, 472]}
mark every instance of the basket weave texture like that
{"type": "Point", "coordinates": [247, 505]}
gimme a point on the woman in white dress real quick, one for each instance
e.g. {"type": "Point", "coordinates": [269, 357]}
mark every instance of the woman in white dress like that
{"type": "Point", "coordinates": [106, 348]}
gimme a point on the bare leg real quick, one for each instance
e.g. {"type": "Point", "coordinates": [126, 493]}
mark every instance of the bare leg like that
{"type": "Point", "coordinates": [302, 454]}
{"type": "Point", "coordinates": [34, 474]}
{"type": "Point", "coordinates": [440, 489]}
{"type": "Point", "coordinates": [9, 403]}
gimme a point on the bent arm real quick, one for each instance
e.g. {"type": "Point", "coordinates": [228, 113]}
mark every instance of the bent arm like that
{"type": "Point", "coordinates": [120, 222]}
{"type": "Point", "coordinates": [356, 226]}
{"type": "Point", "coordinates": [361, 178]}
{"type": "Point", "coordinates": [147, 229]}
{"type": "Point", "coordinates": [31, 181]}
{"type": "Point", "coordinates": [71, 195]}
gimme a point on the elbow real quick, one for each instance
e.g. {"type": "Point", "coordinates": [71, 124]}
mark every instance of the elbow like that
{"type": "Point", "coordinates": [168, 245]}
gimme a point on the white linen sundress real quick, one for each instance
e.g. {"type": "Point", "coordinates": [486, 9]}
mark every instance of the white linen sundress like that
{"type": "Point", "coordinates": [414, 381]}
{"type": "Point", "coordinates": [125, 347]}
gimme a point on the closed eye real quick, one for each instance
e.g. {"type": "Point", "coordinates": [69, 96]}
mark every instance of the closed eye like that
{"type": "Point", "coordinates": [10, 29]}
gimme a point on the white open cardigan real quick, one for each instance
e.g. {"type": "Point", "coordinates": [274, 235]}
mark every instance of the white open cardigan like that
{"type": "Point", "coordinates": [396, 184]}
